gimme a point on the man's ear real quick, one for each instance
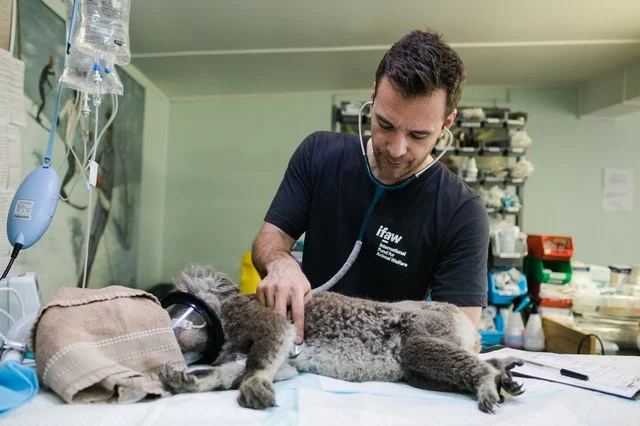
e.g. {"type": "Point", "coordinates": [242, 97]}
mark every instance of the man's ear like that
{"type": "Point", "coordinates": [450, 119]}
{"type": "Point", "coordinates": [373, 91]}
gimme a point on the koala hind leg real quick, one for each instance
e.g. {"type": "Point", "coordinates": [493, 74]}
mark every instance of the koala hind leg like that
{"type": "Point", "coordinates": [267, 355]}
{"type": "Point", "coordinates": [285, 372]}
{"type": "Point", "coordinates": [224, 376]}
{"type": "Point", "coordinates": [436, 364]}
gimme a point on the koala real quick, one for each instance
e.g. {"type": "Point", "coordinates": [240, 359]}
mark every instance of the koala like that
{"type": "Point", "coordinates": [428, 345]}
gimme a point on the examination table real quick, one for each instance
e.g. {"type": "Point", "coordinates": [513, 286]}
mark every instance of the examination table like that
{"type": "Point", "coordinates": [314, 400]}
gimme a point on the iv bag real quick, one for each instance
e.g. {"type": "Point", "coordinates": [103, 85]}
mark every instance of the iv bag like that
{"type": "Point", "coordinates": [111, 82]}
{"type": "Point", "coordinates": [102, 27]}
{"type": "Point", "coordinates": [79, 74]}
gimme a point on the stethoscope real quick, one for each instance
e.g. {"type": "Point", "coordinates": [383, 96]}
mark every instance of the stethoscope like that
{"type": "Point", "coordinates": [380, 189]}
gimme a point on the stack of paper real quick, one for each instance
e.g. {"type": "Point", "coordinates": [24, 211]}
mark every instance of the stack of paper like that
{"type": "Point", "coordinates": [5, 86]}
{"type": "Point", "coordinates": [16, 96]}
{"type": "Point", "coordinates": [12, 118]}
{"type": "Point", "coordinates": [603, 374]}
{"type": "Point", "coordinates": [6, 15]}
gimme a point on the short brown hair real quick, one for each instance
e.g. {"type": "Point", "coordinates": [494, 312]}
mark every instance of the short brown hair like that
{"type": "Point", "coordinates": [420, 63]}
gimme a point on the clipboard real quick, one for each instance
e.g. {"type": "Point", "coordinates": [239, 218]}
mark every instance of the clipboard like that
{"type": "Point", "coordinates": [603, 373]}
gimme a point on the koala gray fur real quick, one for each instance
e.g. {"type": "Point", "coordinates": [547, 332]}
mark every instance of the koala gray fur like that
{"type": "Point", "coordinates": [429, 345]}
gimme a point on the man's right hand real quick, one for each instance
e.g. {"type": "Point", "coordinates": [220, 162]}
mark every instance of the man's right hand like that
{"type": "Point", "coordinates": [285, 285]}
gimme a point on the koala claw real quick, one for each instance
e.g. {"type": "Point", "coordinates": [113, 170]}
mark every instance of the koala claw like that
{"type": "Point", "coordinates": [257, 393]}
{"type": "Point", "coordinates": [178, 381]}
{"type": "Point", "coordinates": [488, 398]}
{"type": "Point", "coordinates": [505, 380]}
{"type": "Point", "coordinates": [489, 391]}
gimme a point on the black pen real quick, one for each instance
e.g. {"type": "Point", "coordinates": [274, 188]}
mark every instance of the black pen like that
{"type": "Point", "coordinates": [563, 371]}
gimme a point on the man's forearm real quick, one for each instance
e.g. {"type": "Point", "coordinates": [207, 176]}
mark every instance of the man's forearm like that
{"type": "Point", "coordinates": [270, 245]}
{"type": "Point", "coordinates": [474, 313]}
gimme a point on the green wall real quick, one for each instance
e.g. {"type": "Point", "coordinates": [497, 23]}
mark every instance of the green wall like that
{"type": "Point", "coordinates": [152, 186]}
{"type": "Point", "coordinates": [565, 192]}
{"type": "Point", "coordinates": [226, 157]}
{"type": "Point", "coordinates": [225, 161]}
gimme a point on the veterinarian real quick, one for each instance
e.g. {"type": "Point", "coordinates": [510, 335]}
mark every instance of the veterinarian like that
{"type": "Point", "coordinates": [428, 238]}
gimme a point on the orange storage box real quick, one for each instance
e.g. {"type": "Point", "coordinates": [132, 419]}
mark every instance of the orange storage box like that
{"type": "Point", "coordinates": [550, 247]}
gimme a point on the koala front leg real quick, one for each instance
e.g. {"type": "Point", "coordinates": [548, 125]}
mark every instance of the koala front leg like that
{"type": "Point", "coordinates": [437, 364]}
{"type": "Point", "coordinates": [268, 353]}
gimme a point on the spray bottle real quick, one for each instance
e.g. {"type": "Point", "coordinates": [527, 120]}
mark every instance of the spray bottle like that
{"type": "Point", "coordinates": [514, 335]}
{"type": "Point", "coordinates": [533, 333]}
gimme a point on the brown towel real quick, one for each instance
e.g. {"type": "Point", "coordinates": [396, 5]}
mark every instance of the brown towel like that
{"type": "Point", "coordinates": [103, 345]}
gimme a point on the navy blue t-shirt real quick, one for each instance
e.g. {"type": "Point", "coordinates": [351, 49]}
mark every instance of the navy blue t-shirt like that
{"type": "Point", "coordinates": [430, 237]}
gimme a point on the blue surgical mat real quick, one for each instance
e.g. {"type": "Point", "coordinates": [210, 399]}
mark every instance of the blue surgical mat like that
{"type": "Point", "coordinates": [18, 384]}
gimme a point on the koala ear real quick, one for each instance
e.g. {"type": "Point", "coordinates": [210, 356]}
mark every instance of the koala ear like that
{"type": "Point", "coordinates": [199, 280]}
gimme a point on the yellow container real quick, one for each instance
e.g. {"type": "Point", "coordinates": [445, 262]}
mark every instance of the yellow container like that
{"type": "Point", "coordinates": [249, 277]}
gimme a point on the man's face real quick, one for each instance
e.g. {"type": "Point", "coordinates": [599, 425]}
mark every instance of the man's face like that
{"type": "Point", "coordinates": [404, 131]}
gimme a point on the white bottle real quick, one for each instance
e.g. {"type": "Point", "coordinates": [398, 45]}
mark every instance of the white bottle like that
{"type": "Point", "coordinates": [533, 333]}
{"type": "Point", "coordinates": [514, 335]}
{"type": "Point", "coordinates": [471, 172]}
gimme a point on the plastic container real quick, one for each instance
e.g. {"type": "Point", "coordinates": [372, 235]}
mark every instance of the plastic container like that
{"type": "Point", "coordinates": [620, 278]}
{"type": "Point", "coordinates": [623, 332]}
{"type": "Point", "coordinates": [550, 247]}
{"type": "Point", "coordinates": [613, 305]}
{"type": "Point", "coordinates": [493, 337]}
{"type": "Point", "coordinates": [600, 274]}
{"type": "Point", "coordinates": [249, 276]}
{"type": "Point", "coordinates": [549, 302]}
{"type": "Point", "coordinates": [547, 271]}
{"type": "Point", "coordinates": [557, 296]}
{"type": "Point", "coordinates": [502, 260]}
{"type": "Point", "coordinates": [494, 296]}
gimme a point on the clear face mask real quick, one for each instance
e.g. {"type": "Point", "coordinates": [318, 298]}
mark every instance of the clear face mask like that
{"type": "Point", "coordinates": [196, 327]}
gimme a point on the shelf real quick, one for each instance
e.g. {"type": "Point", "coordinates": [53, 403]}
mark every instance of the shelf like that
{"type": "Point", "coordinates": [496, 182]}
{"type": "Point", "coordinates": [469, 124]}
{"type": "Point", "coordinates": [503, 210]}
{"type": "Point", "coordinates": [490, 123]}
{"type": "Point", "coordinates": [462, 124]}
{"type": "Point", "coordinates": [515, 181]}
{"type": "Point", "coordinates": [491, 182]}
{"type": "Point", "coordinates": [489, 133]}
{"type": "Point", "coordinates": [493, 123]}
{"type": "Point", "coordinates": [516, 152]}
{"type": "Point", "coordinates": [483, 152]}
{"type": "Point", "coordinates": [511, 210]}
{"type": "Point", "coordinates": [516, 124]}
{"type": "Point", "coordinates": [467, 151]}
{"type": "Point", "coordinates": [492, 151]}
{"type": "Point", "coordinates": [351, 119]}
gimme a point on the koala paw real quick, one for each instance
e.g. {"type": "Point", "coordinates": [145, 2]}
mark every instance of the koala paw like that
{"type": "Point", "coordinates": [505, 379]}
{"type": "Point", "coordinates": [489, 391]}
{"type": "Point", "coordinates": [257, 392]}
{"type": "Point", "coordinates": [489, 395]}
{"type": "Point", "coordinates": [179, 381]}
